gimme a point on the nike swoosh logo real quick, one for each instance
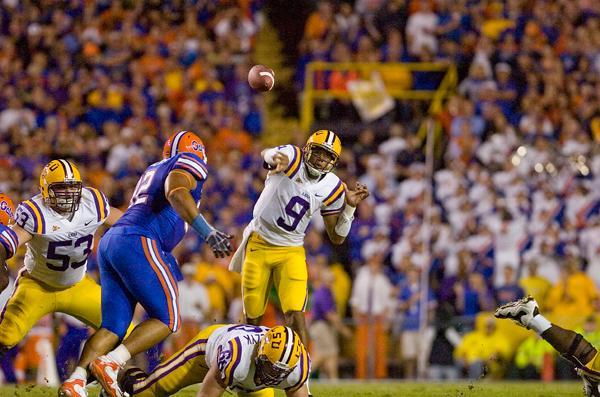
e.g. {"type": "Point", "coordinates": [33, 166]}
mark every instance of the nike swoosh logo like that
{"type": "Point", "coordinates": [252, 250]}
{"type": "Point", "coordinates": [318, 195]}
{"type": "Point", "coordinates": [87, 223]}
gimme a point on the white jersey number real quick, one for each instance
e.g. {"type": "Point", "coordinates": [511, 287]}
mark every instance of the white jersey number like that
{"type": "Point", "coordinates": [140, 194]}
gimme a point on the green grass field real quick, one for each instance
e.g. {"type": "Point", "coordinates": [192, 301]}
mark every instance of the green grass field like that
{"type": "Point", "coordinates": [400, 389]}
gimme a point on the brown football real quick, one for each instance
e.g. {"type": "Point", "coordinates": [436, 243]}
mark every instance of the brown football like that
{"type": "Point", "coordinates": [261, 78]}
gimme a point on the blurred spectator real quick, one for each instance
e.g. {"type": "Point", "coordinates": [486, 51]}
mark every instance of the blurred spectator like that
{"type": "Point", "coordinates": [575, 295]}
{"type": "Point", "coordinates": [483, 350]}
{"type": "Point", "coordinates": [371, 307]}
{"type": "Point", "coordinates": [326, 324]}
{"type": "Point", "coordinates": [194, 307]}
{"type": "Point", "coordinates": [530, 356]}
{"type": "Point", "coordinates": [413, 341]}
{"type": "Point", "coordinates": [535, 285]}
{"type": "Point", "coordinates": [445, 340]}
{"type": "Point", "coordinates": [509, 290]}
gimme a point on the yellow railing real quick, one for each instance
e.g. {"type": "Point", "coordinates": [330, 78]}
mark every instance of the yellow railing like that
{"type": "Point", "coordinates": [437, 97]}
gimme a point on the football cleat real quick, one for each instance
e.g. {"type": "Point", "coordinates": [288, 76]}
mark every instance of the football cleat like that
{"type": "Point", "coordinates": [73, 387]}
{"type": "Point", "coordinates": [590, 385]}
{"type": "Point", "coordinates": [521, 311]}
{"type": "Point", "coordinates": [106, 370]}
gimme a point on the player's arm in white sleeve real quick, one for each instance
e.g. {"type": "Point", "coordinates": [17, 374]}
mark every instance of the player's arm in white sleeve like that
{"type": "Point", "coordinates": [212, 385]}
{"type": "Point", "coordinates": [278, 159]}
{"type": "Point", "coordinates": [178, 187]}
{"type": "Point", "coordinates": [338, 225]}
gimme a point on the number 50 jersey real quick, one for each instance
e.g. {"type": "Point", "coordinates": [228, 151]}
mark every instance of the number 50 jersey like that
{"type": "Point", "coordinates": [290, 199]}
{"type": "Point", "coordinates": [58, 250]}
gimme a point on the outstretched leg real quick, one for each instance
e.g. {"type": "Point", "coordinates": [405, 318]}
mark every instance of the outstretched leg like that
{"type": "Point", "coordinates": [570, 344]}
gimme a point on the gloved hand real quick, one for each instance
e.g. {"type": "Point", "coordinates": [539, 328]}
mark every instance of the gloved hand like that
{"type": "Point", "coordinates": [219, 243]}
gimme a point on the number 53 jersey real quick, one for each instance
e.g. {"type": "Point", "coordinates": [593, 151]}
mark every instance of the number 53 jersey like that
{"type": "Point", "coordinates": [290, 199]}
{"type": "Point", "coordinates": [58, 251]}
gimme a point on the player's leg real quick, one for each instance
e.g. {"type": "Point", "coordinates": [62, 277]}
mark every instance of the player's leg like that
{"type": "Point", "coordinates": [29, 302]}
{"type": "Point", "coordinates": [116, 312]}
{"type": "Point", "coordinates": [185, 367]}
{"type": "Point", "coordinates": [569, 344]}
{"type": "Point", "coordinates": [156, 290]}
{"type": "Point", "coordinates": [291, 280]}
{"type": "Point", "coordinates": [256, 276]}
{"type": "Point", "coordinates": [82, 301]}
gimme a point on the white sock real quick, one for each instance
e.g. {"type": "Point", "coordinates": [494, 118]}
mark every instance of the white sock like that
{"type": "Point", "coordinates": [540, 324]}
{"type": "Point", "coordinates": [80, 373]}
{"type": "Point", "coordinates": [121, 355]}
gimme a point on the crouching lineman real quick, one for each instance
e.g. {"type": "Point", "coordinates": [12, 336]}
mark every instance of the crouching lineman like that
{"type": "Point", "coordinates": [58, 226]}
{"type": "Point", "coordinates": [571, 345]}
{"type": "Point", "coordinates": [249, 360]}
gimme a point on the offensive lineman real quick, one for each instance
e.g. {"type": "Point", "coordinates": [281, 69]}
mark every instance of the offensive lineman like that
{"type": "Point", "coordinates": [246, 359]}
{"type": "Point", "coordinates": [58, 226]}
{"type": "Point", "coordinates": [300, 183]}
{"type": "Point", "coordinates": [136, 264]}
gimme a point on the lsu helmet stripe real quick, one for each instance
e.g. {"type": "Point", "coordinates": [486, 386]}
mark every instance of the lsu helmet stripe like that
{"type": "Point", "coordinates": [289, 345]}
{"type": "Point", "coordinates": [175, 143]}
{"type": "Point", "coordinates": [67, 168]}
{"type": "Point", "coordinates": [295, 163]}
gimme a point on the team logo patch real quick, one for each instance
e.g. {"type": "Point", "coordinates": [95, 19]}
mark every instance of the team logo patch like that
{"type": "Point", "coordinates": [55, 228]}
{"type": "Point", "coordinates": [196, 145]}
{"type": "Point", "coordinates": [6, 208]}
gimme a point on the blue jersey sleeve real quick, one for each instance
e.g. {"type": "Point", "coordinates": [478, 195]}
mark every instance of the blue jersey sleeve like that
{"type": "Point", "coordinates": [192, 164]}
{"type": "Point", "coordinates": [9, 240]}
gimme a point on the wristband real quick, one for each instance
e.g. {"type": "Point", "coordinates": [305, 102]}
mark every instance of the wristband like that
{"type": "Point", "coordinates": [201, 227]}
{"type": "Point", "coordinates": [349, 211]}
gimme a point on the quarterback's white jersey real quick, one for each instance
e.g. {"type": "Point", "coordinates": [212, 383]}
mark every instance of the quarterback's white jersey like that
{"type": "Point", "coordinates": [58, 250]}
{"type": "Point", "coordinates": [234, 346]}
{"type": "Point", "coordinates": [290, 198]}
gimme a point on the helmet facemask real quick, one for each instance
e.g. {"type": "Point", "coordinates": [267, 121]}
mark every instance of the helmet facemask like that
{"type": "Point", "coordinates": [319, 159]}
{"type": "Point", "coordinates": [271, 374]}
{"type": "Point", "coordinates": [64, 197]}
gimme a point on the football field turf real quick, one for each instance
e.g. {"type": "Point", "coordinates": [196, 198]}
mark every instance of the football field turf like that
{"type": "Point", "coordinates": [382, 389]}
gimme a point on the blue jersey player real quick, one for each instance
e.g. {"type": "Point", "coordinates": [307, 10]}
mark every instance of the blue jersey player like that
{"type": "Point", "coordinates": [136, 264]}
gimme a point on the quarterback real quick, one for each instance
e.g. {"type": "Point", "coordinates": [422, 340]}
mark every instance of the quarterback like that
{"type": "Point", "coordinates": [244, 359]}
{"type": "Point", "coordinates": [571, 345]}
{"type": "Point", "coordinates": [58, 226]}
{"type": "Point", "coordinates": [299, 183]}
{"type": "Point", "coordinates": [136, 264]}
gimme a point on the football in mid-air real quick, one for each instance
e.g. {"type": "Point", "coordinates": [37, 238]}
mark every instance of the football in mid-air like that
{"type": "Point", "coordinates": [261, 78]}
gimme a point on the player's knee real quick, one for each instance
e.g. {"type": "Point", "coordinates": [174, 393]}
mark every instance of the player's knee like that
{"type": "Point", "coordinates": [117, 329]}
{"type": "Point", "coordinates": [580, 351]}
{"type": "Point", "coordinates": [8, 338]}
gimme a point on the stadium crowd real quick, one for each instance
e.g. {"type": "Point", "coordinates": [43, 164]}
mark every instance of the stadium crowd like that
{"type": "Point", "coordinates": [515, 206]}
